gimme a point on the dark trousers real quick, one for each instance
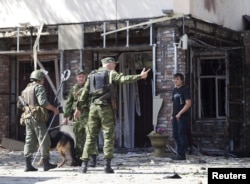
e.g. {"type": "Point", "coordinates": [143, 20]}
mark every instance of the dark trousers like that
{"type": "Point", "coordinates": [179, 134]}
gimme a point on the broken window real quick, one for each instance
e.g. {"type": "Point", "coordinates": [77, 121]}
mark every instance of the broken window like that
{"type": "Point", "coordinates": [212, 88]}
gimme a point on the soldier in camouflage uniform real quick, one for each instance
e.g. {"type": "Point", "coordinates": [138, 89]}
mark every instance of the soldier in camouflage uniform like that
{"type": "Point", "coordinates": [79, 126]}
{"type": "Point", "coordinates": [35, 117]}
{"type": "Point", "coordinates": [99, 90]}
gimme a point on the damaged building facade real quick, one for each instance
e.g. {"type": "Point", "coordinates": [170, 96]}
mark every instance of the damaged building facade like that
{"type": "Point", "coordinates": [173, 37]}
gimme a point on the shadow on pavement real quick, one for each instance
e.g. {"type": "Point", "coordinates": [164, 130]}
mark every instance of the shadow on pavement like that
{"type": "Point", "coordinates": [24, 180]}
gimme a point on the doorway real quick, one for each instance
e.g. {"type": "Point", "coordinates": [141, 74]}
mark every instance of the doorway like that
{"type": "Point", "coordinates": [136, 101]}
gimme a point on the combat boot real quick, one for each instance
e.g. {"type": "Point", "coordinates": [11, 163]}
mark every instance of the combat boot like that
{"type": "Point", "coordinates": [107, 167]}
{"type": "Point", "coordinates": [47, 166]}
{"type": "Point", "coordinates": [29, 166]}
{"type": "Point", "coordinates": [92, 161]}
{"type": "Point", "coordinates": [84, 166]}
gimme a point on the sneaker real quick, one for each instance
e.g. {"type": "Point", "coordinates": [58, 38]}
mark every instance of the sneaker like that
{"type": "Point", "coordinates": [178, 157]}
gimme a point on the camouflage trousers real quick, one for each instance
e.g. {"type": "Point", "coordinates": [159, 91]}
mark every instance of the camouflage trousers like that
{"type": "Point", "coordinates": [80, 135]}
{"type": "Point", "coordinates": [80, 129]}
{"type": "Point", "coordinates": [100, 117]}
{"type": "Point", "coordinates": [35, 132]}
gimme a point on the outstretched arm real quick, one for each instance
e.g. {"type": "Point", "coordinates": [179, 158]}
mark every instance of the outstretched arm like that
{"type": "Point", "coordinates": [144, 73]}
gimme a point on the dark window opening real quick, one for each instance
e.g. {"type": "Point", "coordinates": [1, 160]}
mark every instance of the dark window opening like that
{"type": "Point", "coordinates": [212, 88]}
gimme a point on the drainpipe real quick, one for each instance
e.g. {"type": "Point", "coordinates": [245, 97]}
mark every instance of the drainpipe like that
{"type": "Point", "coordinates": [151, 34]}
{"type": "Point", "coordinates": [81, 50]}
{"type": "Point", "coordinates": [104, 37]}
{"type": "Point", "coordinates": [81, 59]}
{"type": "Point", "coordinates": [154, 72]}
{"type": "Point", "coordinates": [127, 36]}
{"type": "Point", "coordinates": [61, 70]}
{"type": "Point", "coordinates": [175, 57]}
{"type": "Point", "coordinates": [18, 38]}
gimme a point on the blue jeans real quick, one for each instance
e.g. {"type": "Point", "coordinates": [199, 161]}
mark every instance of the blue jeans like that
{"type": "Point", "coordinates": [179, 134]}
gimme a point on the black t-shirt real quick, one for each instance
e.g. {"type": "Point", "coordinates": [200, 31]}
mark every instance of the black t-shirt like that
{"type": "Point", "coordinates": [179, 97]}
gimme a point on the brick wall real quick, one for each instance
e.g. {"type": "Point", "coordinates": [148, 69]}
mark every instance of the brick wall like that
{"type": "Point", "coordinates": [72, 62]}
{"type": "Point", "coordinates": [4, 96]}
{"type": "Point", "coordinates": [165, 67]}
{"type": "Point", "coordinates": [247, 76]}
{"type": "Point", "coordinates": [246, 130]}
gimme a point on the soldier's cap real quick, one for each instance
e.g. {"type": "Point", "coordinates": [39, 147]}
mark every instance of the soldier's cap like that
{"type": "Point", "coordinates": [80, 71]}
{"type": "Point", "coordinates": [108, 60]}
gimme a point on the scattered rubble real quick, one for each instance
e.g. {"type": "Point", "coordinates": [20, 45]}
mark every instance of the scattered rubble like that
{"type": "Point", "coordinates": [136, 166]}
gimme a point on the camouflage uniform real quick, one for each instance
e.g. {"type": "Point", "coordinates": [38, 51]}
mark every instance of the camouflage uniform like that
{"type": "Point", "coordinates": [79, 127]}
{"type": "Point", "coordinates": [35, 105]}
{"type": "Point", "coordinates": [101, 116]}
{"type": "Point", "coordinates": [36, 128]}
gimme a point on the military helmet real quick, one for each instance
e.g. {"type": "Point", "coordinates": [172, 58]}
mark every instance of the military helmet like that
{"type": "Point", "coordinates": [37, 75]}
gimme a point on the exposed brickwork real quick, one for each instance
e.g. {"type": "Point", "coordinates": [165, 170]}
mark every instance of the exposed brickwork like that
{"type": "Point", "coordinates": [210, 134]}
{"type": "Point", "coordinates": [247, 77]}
{"type": "Point", "coordinates": [4, 95]}
{"type": "Point", "coordinates": [246, 42]}
{"type": "Point", "coordinates": [165, 68]}
{"type": "Point", "coordinates": [72, 62]}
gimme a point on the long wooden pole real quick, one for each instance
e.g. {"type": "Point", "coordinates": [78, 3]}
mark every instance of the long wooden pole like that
{"type": "Point", "coordinates": [35, 46]}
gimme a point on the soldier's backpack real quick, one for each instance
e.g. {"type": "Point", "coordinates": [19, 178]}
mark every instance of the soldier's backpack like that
{"type": "Point", "coordinates": [101, 87]}
{"type": "Point", "coordinates": [99, 82]}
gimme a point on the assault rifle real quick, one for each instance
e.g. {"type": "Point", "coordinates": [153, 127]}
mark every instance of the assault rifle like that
{"type": "Point", "coordinates": [21, 100]}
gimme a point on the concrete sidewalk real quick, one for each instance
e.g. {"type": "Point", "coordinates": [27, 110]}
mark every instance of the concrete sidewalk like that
{"type": "Point", "coordinates": [130, 167]}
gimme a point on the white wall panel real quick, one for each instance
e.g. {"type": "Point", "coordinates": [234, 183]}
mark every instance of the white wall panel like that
{"type": "Point", "coordinates": [14, 12]}
{"type": "Point", "coordinates": [70, 37]}
{"type": "Point", "coordinates": [227, 13]}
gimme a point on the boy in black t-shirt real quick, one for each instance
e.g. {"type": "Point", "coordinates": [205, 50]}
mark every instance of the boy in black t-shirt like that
{"type": "Point", "coordinates": [180, 115]}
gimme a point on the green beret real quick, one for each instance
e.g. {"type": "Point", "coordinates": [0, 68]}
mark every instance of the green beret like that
{"type": "Point", "coordinates": [108, 60]}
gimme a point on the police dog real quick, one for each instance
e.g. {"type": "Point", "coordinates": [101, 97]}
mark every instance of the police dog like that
{"type": "Point", "coordinates": [65, 145]}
